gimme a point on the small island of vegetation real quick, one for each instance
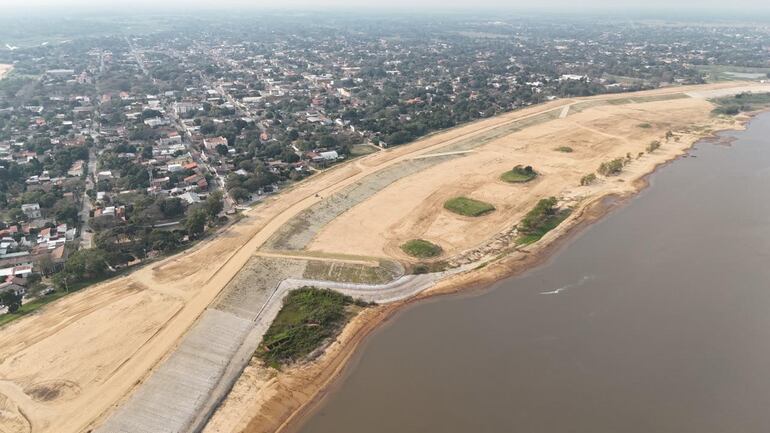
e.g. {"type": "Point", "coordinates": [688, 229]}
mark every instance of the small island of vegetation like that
{"type": "Point", "coordinates": [421, 248]}
{"type": "Point", "coordinates": [519, 174]}
{"type": "Point", "coordinates": [468, 207]}
{"type": "Point", "coordinates": [309, 317]}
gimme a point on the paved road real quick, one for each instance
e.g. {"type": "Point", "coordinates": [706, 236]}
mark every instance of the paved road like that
{"type": "Point", "coordinates": [85, 209]}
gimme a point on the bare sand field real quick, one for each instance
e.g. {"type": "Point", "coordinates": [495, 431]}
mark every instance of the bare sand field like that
{"type": "Point", "coordinates": [64, 368]}
{"type": "Point", "coordinates": [4, 70]}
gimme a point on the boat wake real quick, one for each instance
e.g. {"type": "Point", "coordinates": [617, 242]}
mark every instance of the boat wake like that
{"type": "Point", "coordinates": [561, 289]}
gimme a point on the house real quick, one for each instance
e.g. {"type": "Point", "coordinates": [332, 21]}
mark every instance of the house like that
{"type": "Point", "coordinates": [173, 138]}
{"type": "Point", "coordinates": [76, 169]}
{"type": "Point", "coordinates": [190, 197]}
{"type": "Point", "coordinates": [331, 155]}
{"type": "Point", "coordinates": [31, 210]}
{"type": "Point", "coordinates": [173, 168]}
{"type": "Point", "coordinates": [11, 287]}
{"type": "Point", "coordinates": [213, 142]}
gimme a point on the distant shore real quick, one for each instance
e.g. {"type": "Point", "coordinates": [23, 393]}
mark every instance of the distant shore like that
{"type": "Point", "coordinates": [268, 401]}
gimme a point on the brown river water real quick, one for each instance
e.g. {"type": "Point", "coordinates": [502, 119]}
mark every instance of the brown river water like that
{"type": "Point", "coordinates": [654, 320]}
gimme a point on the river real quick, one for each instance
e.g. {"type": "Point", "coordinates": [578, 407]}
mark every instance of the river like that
{"type": "Point", "coordinates": [655, 319]}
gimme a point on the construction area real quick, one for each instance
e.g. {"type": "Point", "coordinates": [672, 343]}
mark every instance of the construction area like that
{"type": "Point", "coordinates": [159, 349]}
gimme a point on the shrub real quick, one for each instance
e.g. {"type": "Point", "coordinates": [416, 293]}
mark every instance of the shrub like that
{"type": "Point", "coordinates": [653, 146]}
{"type": "Point", "coordinates": [565, 149]}
{"type": "Point", "coordinates": [611, 168]}
{"type": "Point", "coordinates": [588, 179]}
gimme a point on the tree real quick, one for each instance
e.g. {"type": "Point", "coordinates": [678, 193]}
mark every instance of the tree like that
{"type": "Point", "coordinates": [221, 149]}
{"type": "Point", "coordinates": [214, 205]}
{"type": "Point", "coordinates": [239, 194]}
{"type": "Point", "coordinates": [196, 223]}
{"type": "Point", "coordinates": [171, 207]}
{"type": "Point", "coordinates": [84, 264]}
{"type": "Point", "coordinates": [11, 299]}
{"type": "Point", "coordinates": [66, 212]}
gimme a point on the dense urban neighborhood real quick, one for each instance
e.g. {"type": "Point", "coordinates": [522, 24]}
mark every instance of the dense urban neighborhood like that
{"type": "Point", "coordinates": [121, 147]}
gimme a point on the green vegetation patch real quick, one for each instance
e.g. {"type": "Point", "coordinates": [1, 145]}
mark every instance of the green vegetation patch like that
{"type": "Point", "coordinates": [544, 217]}
{"type": "Point", "coordinates": [468, 207]}
{"type": "Point", "coordinates": [741, 102]}
{"type": "Point", "coordinates": [421, 248]}
{"type": "Point", "coordinates": [309, 317]}
{"type": "Point", "coordinates": [519, 174]}
{"type": "Point", "coordinates": [564, 149]}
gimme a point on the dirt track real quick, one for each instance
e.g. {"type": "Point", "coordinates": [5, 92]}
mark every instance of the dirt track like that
{"type": "Point", "coordinates": [64, 368]}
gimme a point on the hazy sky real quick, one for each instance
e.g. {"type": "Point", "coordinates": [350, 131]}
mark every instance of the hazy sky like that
{"type": "Point", "coordinates": [746, 6]}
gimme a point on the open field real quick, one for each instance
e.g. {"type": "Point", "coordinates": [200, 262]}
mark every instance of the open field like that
{"type": "Point", "coordinates": [64, 368]}
{"type": "Point", "coordinates": [731, 72]}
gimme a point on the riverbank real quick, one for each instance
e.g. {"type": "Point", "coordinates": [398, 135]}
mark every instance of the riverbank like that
{"type": "Point", "coordinates": [128, 328]}
{"type": "Point", "coordinates": [283, 399]}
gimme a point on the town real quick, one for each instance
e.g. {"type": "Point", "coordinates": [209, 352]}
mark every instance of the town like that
{"type": "Point", "coordinates": [120, 148]}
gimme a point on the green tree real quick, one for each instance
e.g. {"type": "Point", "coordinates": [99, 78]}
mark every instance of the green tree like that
{"type": "Point", "coordinates": [171, 207]}
{"type": "Point", "coordinates": [196, 223]}
{"type": "Point", "coordinates": [84, 264]}
{"type": "Point", "coordinates": [214, 205]}
{"type": "Point", "coordinates": [12, 300]}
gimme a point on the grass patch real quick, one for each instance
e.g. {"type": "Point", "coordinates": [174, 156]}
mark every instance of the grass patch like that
{"type": "Point", "coordinates": [644, 125]}
{"type": "Point", "coordinates": [30, 307]}
{"type": "Point", "coordinates": [421, 248]}
{"type": "Point", "coordinates": [519, 174]}
{"type": "Point", "coordinates": [468, 207]}
{"type": "Point", "coordinates": [543, 218]}
{"type": "Point", "coordinates": [564, 149]}
{"type": "Point", "coordinates": [309, 317]}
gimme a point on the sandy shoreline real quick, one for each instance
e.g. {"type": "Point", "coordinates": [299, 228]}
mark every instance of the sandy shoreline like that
{"type": "Point", "coordinates": [284, 400]}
